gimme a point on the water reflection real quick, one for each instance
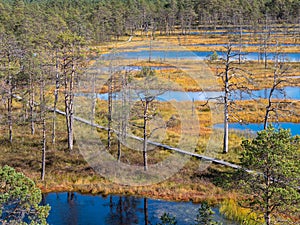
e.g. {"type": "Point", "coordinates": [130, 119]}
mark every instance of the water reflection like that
{"type": "Point", "coordinates": [78, 209]}
{"type": "Point", "coordinates": [123, 211]}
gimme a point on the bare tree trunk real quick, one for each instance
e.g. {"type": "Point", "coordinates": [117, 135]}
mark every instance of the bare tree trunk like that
{"type": "Point", "coordinates": [43, 114]}
{"type": "Point", "coordinates": [25, 108]}
{"type": "Point", "coordinates": [94, 98]}
{"type": "Point", "coordinates": [145, 117]}
{"type": "Point", "coordinates": [226, 118]}
{"type": "Point", "coordinates": [109, 116]}
{"type": "Point", "coordinates": [43, 149]}
{"type": "Point", "coordinates": [57, 84]}
{"type": "Point", "coordinates": [268, 219]}
{"type": "Point", "coordinates": [226, 103]}
{"type": "Point", "coordinates": [275, 84]}
{"type": "Point", "coordinates": [266, 116]}
{"type": "Point", "coordinates": [268, 108]}
{"type": "Point", "coordinates": [9, 105]}
{"type": "Point", "coordinates": [69, 102]}
{"type": "Point", "coordinates": [267, 36]}
{"type": "Point", "coordinates": [119, 148]}
{"type": "Point", "coordinates": [71, 108]}
{"type": "Point", "coordinates": [43, 172]}
{"type": "Point", "coordinates": [241, 43]}
{"type": "Point", "coordinates": [31, 104]}
{"type": "Point", "coordinates": [67, 116]}
{"type": "Point", "coordinates": [265, 55]}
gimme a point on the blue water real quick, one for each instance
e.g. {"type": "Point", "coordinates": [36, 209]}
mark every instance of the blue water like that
{"type": "Point", "coordinates": [161, 55]}
{"type": "Point", "coordinates": [246, 45]}
{"type": "Point", "coordinates": [138, 68]}
{"type": "Point", "coordinates": [286, 92]}
{"type": "Point", "coordinates": [233, 32]}
{"type": "Point", "coordinates": [78, 209]}
{"type": "Point", "coordinates": [254, 127]}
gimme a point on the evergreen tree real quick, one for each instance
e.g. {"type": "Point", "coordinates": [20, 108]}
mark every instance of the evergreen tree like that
{"type": "Point", "coordinates": [20, 199]}
{"type": "Point", "coordinates": [275, 188]}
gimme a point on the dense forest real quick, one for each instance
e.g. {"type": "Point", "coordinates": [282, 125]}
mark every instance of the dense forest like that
{"type": "Point", "coordinates": [98, 20]}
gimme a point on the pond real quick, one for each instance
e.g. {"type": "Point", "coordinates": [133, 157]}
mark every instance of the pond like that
{"type": "Point", "coordinates": [161, 55]}
{"type": "Point", "coordinates": [78, 209]}
{"type": "Point", "coordinates": [254, 127]}
{"type": "Point", "coordinates": [286, 92]}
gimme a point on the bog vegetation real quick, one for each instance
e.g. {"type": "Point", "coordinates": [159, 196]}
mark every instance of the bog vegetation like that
{"type": "Point", "coordinates": [46, 47]}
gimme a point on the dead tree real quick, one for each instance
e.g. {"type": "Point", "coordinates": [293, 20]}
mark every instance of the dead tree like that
{"type": "Point", "coordinates": [147, 91]}
{"type": "Point", "coordinates": [233, 79]}
{"type": "Point", "coordinates": [276, 106]}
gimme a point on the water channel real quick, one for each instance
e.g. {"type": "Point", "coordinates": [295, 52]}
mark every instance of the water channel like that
{"type": "Point", "coordinates": [78, 209]}
{"type": "Point", "coordinates": [286, 92]}
{"type": "Point", "coordinates": [247, 45]}
{"type": "Point", "coordinates": [201, 55]}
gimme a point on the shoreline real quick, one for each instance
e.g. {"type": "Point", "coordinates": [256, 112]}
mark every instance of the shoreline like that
{"type": "Point", "coordinates": [154, 192]}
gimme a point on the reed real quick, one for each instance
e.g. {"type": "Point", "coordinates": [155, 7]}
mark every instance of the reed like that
{"type": "Point", "coordinates": [231, 210]}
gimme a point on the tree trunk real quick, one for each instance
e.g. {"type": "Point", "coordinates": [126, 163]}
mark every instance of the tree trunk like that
{"type": "Point", "coordinates": [94, 98]}
{"type": "Point", "coordinates": [226, 103]}
{"type": "Point", "coordinates": [57, 84]}
{"type": "Point", "coordinates": [267, 213]}
{"type": "Point", "coordinates": [266, 116]}
{"type": "Point", "coordinates": [268, 219]}
{"type": "Point", "coordinates": [119, 148]}
{"type": "Point", "coordinates": [31, 103]}
{"type": "Point", "coordinates": [145, 135]}
{"type": "Point", "coordinates": [226, 118]}
{"type": "Point", "coordinates": [43, 171]}
{"type": "Point", "coordinates": [240, 44]}
{"type": "Point", "coordinates": [9, 105]}
{"type": "Point", "coordinates": [43, 117]}
{"type": "Point", "coordinates": [109, 116]}
{"type": "Point", "coordinates": [43, 150]}
{"type": "Point", "coordinates": [265, 56]}
{"type": "Point", "coordinates": [71, 109]}
{"type": "Point", "coordinates": [69, 102]}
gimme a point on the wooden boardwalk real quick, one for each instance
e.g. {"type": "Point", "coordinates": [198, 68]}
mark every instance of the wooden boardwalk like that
{"type": "Point", "coordinates": [167, 147]}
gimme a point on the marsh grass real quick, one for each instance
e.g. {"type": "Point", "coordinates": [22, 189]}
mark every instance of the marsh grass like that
{"type": "Point", "coordinates": [67, 171]}
{"type": "Point", "coordinates": [233, 211]}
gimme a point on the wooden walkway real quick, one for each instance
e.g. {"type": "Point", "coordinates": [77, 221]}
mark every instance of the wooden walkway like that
{"type": "Point", "coordinates": [198, 156]}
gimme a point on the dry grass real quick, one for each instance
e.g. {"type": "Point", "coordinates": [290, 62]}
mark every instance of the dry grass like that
{"type": "Point", "coordinates": [232, 211]}
{"type": "Point", "coordinates": [67, 171]}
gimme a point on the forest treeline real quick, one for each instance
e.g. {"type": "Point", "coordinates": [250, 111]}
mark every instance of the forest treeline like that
{"type": "Point", "coordinates": [100, 20]}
